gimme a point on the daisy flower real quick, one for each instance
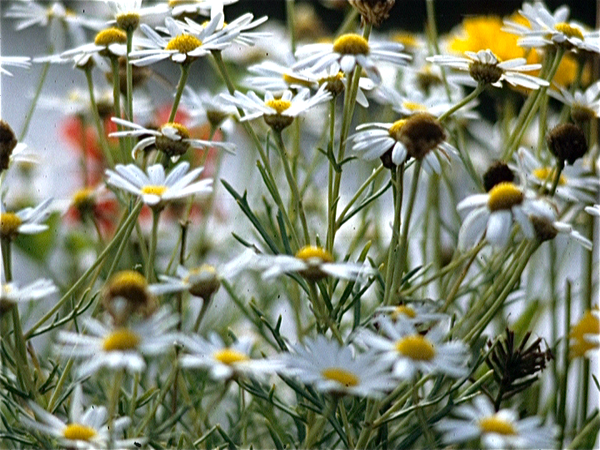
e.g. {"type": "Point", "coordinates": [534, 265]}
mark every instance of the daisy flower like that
{"type": "Point", "coordinates": [573, 185]}
{"type": "Point", "coordinates": [485, 68]}
{"type": "Point", "coordinates": [222, 361]}
{"type": "Point", "coordinates": [414, 312]}
{"type": "Point", "coordinates": [494, 213]}
{"type": "Point", "coordinates": [270, 76]}
{"type": "Point", "coordinates": [202, 107]}
{"type": "Point", "coordinates": [593, 210]}
{"type": "Point", "coordinates": [552, 29]}
{"type": "Point", "coordinates": [25, 221]}
{"type": "Point", "coordinates": [118, 347]}
{"type": "Point", "coordinates": [238, 27]}
{"type": "Point", "coordinates": [501, 429]}
{"type": "Point", "coordinates": [585, 334]}
{"type": "Point", "coordinates": [110, 42]}
{"type": "Point", "coordinates": [84, 429]}
{"type": "Point", "coordinates": [337, 369]}
{"type": "Point", "coordinates": [14, 61]}
{"type": "Point", "coordinates": [11, 294]}
{"type": "Point", "coordinates": [313, 263]}
{"type": "Point", "coordinates": [349, 51]}
{"type": "Point", "coordinates": [155, 188]}
{"type": "Point", "coordinates": [181, 45]}
{"type": "Point", "coordinates": [411, 352]}
{"type": "Point", "coordinates": [414, 137]}
{"type": "Point", "coordinates": [278, 113]}
{"type": "Point", "coordinates": [585, 105]}
{"type": "Point", "coordinates": [204, 7]}
{"type": "Point", "coordinates": [127, 13]}
{"type": "Point", "coordinates": [172, 138]}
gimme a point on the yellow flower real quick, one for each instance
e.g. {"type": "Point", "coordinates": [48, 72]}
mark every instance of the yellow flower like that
{"type": "Point", "coordinates": [580, 334]}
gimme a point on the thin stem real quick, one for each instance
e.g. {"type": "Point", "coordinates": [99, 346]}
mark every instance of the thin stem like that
{"type": "Point", "coordinates": [290, 18]}
{"type": "Point", "coordinates": [397, 181]}
{"type": "Point", "coordinates": [97, 121]}
{"type": "Point", "coordinates": [129, 74]}
{"type": "Point", "coordinates": [185, 71]}
{"type": "Point", "coordinates": [460, 279]}
{"type": "Point", "coordinates": [114, 62]}
{"type": "Point", "coordinates": [152, 253]}
{"type": "Point", "coordinates": [561, 417]}
{"type": "Point", "coordinates": [296, 196]}
{"type": "Point", "coordinates": [358, 193]}
{"type": "Point", "coordinates": [113, 402]}
{"type": "Point", "coordinates": [317, 429]}
{"type": "Point", "coordinates": [472, 96]}
{"type": "Point", "coordinates": [34, 101]}
{"type": "Point", "coordinates": [421, 416]}
{"type": "Point", "coordinates": [559, 168]}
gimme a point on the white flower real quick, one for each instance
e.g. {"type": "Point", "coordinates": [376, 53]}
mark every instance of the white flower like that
{"type": "Point", "coordinates": [349, 51]}
{"type": "Point", "coordinates": [375, 139]}
{"type": "Point", "coordinates": [22, 153]}
{"type": "Point", "coordinates": [238, 27]}
{"type": "Point", "coordinates": [110, 42]}
{"type": "Point", "coordinates": [337, 369]}
{"type": "Point", "coordinates": [593, 210]}
{"type": "Point", "coordinates": [501, 429]}
{"type": "Point", "coordinates": [25, 221]}
{"type": "Point", "coordinates": [494, 214]}
{"type": "Point", "coordinates": [313, 263]}
{"type": "Point", "coordinates": [584, 105]}
{"type": "Point", "coordinates": [84, 429]}
{"type": "Point", "coordinates": [204, 7]}
{"type": "Point", "coordinates": [202, 107]}
{"type": "Point", "coordinates": [552, 29]}
{"type": "Point", "coordinates": [484, 67]}
{"type": "Point", "coordinates": [573, 185]}
{"type": "Point", "coordinates": [119, 347]}
{"type": "Point", "coordinates": [182, 45]}
{"type": "Point", "coordinates": [11, 293]}
{"type": "Point", "coordinates": [155, 188]}
{"type": "Point", "coordinates": [223, 361]}
{"type": "Point", "coordinates": [415, 312]}
{"type": "Point", "coordinates": [270, 76]}
{"type": "Point", "coordinates": [277, 112]}
{"type": "Point", "coordinates": [172, 138]}
{"type": "Point", "coordinates": [410, 352]}
{"type": "Point", "coordinates": [14, 61]}
{"type": "Point", "coordinates": [133, 8]}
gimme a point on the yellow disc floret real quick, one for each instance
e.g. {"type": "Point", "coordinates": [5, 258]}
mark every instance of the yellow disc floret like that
{"type": "Point", "coordinates": [121, 339]}
{"type": "Point", "coordinates": [182, 130]}
{"type": "Point", "coordinates": [568, 30]}
{"type": "Point", "coordinates": [504, 196]}
{"type": "Point", "coordinates": [313, 252]}
{"type": "Point", "coordinates": [416, 347]}
{"type": "Point", "coordinates": [396, 128]}
{"type": "Point", "coordinates": [110, 36]}
{"type": "Point", "coordinates": [78, 432]}
{"type": "Point", "coordinates": [342, 376]}
{"type": "Point", "coordinates": [495, 424]}
{"type": "Point", "coordinates": [588, 325]}
{"type": "Point", "coordinates": [278, 105]}
{"type": "Point", "coordinates": [9, 224]}
{"type": "Point", "coordinates": [548, 174]}
{"type": "Point", "coordinates": [413, 106]}
{"type": "Point", "coordinates": [230, 356]}
{"type": "Point", "coordinates": [404, 310]}
{"type": "Point", "coordinates": [184, 43]}
{"type": "Point", "coordinates": [351, 44]}
{"type": "Point", "coordinates": [154, 190]}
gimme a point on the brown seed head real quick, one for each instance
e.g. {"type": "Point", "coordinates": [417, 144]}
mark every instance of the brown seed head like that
{"type": "Point", "coordinates": [421, 133]}
{"type": "Point", "coordinates": [497, 173]}
{"type": "Point", "coordinates": [373, 11]}
{"type": "Point", "coordinates": [567, 142]}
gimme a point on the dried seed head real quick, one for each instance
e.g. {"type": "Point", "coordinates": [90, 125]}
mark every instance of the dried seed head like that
{"type": "Point", "coordinates": [127, 293]}
{"type": "Point", "coordinates": [204, 281]}
{"type": "Point", "coordinates": [567, 142]}
{"type": "Point", "coordinates": [373, 11]}
{"type": "Point", "coordinates": [497, 173]}
{"type": "Point", "coordinates": [334, 83]}
{"type": "Point", "coordinates": [421, 133]}
{"type": "Point", "coordinates": [485, 73]}
{"type": "Point", "coordinates": [581, 113]}
{"type": "Point", "coordinates": [8, 142]}
{"type": "Point", "coordinates": [544, 229]}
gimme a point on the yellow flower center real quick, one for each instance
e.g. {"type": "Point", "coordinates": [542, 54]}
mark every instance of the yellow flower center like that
{"type": "Point", "coordinates": [504, 195]}
{"type": "Point", "coordinates": [121, 339]}
{"type": "Point", "coordinates": [278, 105]}
{"type": "Point", "coordinates": [127, 280]}
{"type": "Point", "coordinates": [568, 30]}
{"type": "Point", "coordinates": [310, 252]}
{"type": "Point", "coordinates": [409, 40]}
{"type": "Point", "coordinates": [83, 198]}
{"type": "Point", "coordinates": [181, 129]}
{"type": "Point", "coordinates": [78, 432]}
{"type": "Point", "coordinates": [588, 325]}
{"type": "Point", "coordinates": [351, 44]}
{"type": "Point", "coordinates": [291, 78]}
{"type": "Point", "coordinates": [405, 310]}
{"type": "Point", "coordinates": [154, 190]}
{"type": "Point", "coordinates": [495, 424]}
{"type": "Point", "coordinates": [184, 43]}
{"type": "Point", "coordinates": [548, 174]}
{"type": "Point", "coordinates": [9, 224]}
{"type": "Point", "coordinates": [413, 106]}
{"type": "Point", "coordinates": [173, 3]}
{"type": "Point", "coordinates": [342, 376]}
{"type": "Point", "coordinates": [110, 36]}
{"type": "Point", "coordinates": [396, 128]}
{"type": "Point", "coordinates": [416, 347]}
{"type": "Point", "coordinates": [230, 356]}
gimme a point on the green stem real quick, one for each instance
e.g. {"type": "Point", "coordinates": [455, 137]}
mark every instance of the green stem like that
{"type": "Point", "coordinates": [358, 193]}
{"type": "Point", "coordinates": [113, 402]}
{"type": "Point", "coordinates": [397, 181]}
{"type": "Point", "coordinates": [421, 416]}
{"type": "Point", "coordinates": [153, 240]}
{"type": "Point", "coordinates": [97, 121]}
{"type": "Point", "coordinates": [34, 101]}
{"type": "Point", "coordinates": [317, 429]}
{"type": "Point", "coordinates": [185, 71]}
{"type": "Point", "coordinates": [129, 74]}
{"type": "Point", "coordinates": [297, 198]}
{"type": "Point", "coordinates": [460, 279]}
{"type": "Point", "coordinates": [559, 169]}
{"type": "Point", "coordinates": [290, 17]}
{"type": "Point", "coordinates": [114, 62]}
{"type": "Point", "coordinates": [472, 96]}
{"type": "Point", "coordinates": [561, 417]}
